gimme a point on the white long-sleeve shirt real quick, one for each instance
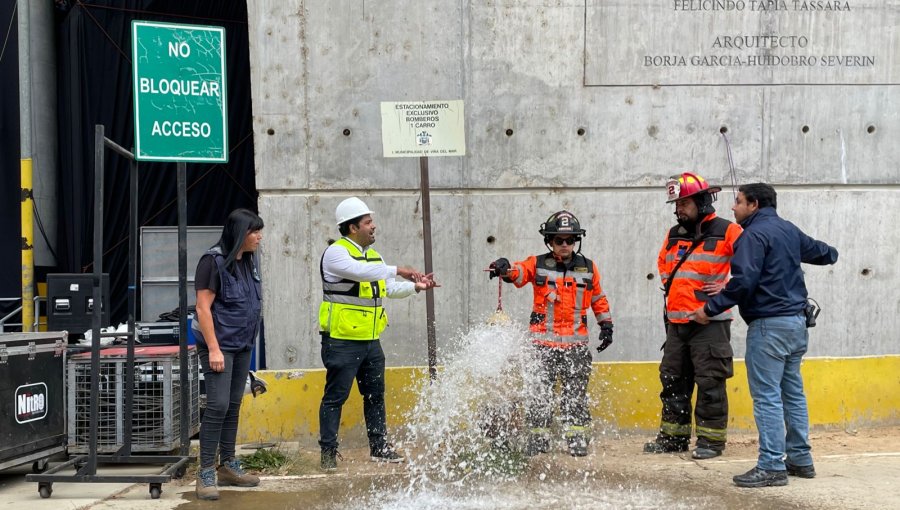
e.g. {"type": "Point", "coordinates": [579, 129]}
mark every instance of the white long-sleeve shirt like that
{"type": "Point", "coordinates": [337, 264]}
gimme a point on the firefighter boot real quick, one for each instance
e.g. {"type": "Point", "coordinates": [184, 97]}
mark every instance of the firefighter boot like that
{"type": "Point", "coordinates": [664, 446]}
{"type": "Point", "coordinates": [231, 473]}
{"type": "Point", "coordinates": [577, 445]}
{"type": "Point", "coordinates": [702, 453]}
{"type": "Point", "coordinates": [537, 443]}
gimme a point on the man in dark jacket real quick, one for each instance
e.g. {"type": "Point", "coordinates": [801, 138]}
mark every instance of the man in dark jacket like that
{"type": "Point", "coordinates": [767, 285]}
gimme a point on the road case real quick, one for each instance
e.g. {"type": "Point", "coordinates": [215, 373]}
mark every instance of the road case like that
{"type": "Point", "coordinates": [70, 302]}
{"type": "Point", "coordinates": [32, 398]}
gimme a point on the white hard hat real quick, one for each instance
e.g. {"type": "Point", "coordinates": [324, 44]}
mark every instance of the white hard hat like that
{"type": "Point", "coordinates": [350, 209]}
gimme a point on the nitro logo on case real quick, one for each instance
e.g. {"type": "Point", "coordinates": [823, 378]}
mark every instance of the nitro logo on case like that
{"type": "Point", "coordinates": [31, 402]}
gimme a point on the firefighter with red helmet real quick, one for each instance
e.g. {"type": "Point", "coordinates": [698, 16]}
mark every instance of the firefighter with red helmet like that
{"type": "Point", "coordinates": [694, 264]}
{"type": "Point", "coordinates": [566, 287]}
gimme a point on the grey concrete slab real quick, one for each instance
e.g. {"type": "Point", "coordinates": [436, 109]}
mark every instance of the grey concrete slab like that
{"type": "Point", "coordinates": [543, 133]}
{"type": "Point", "coordinates": [16, 493]}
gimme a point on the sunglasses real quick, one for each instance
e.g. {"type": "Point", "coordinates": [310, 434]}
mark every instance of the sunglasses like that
{"type": "Point", "coordinates": [559, 241]}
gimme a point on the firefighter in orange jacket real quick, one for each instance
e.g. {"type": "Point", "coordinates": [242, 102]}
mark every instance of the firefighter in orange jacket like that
{"type": "Point", "coordinates": [566, 286]}
{"type": "Point", "coordinates": [694, 263]}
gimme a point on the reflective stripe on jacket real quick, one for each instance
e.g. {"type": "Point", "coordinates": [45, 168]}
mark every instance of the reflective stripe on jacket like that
{"type": "Point", "coordinates": [353, 310]}
{"type": "Point", "coordinates": [708, 262]}
{"type": "Point", "coordinates": [563, 294]}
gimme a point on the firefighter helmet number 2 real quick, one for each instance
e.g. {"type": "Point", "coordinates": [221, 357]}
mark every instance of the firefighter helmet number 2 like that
{"type": "Point", "coordinates": [674, 189]}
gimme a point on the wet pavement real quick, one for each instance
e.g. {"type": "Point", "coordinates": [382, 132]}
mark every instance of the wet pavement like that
{"type": "Point", "coordinates": [556, 481]}
{"type": "Point", "coordinates": [463, 442]}
{"type": "Point", "coordinates": [856, 470]}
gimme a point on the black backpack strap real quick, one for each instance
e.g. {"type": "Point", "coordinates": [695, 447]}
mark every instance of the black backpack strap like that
{"type": "Point", "coordinates": [690, 250]}
{"type": "Point", "coordinates": [712, 229]}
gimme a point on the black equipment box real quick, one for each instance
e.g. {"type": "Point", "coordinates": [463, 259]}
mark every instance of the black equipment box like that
{"type": "Point", "coordinates": [70, 302]}
{"type": "Point", "coordinates": [156, 333]}
{"type": "Point", "coordinates": [32, 397]}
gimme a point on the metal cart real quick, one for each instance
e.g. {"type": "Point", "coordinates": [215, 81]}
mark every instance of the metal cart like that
{"type": "Point", "coordinates": [86, 465]}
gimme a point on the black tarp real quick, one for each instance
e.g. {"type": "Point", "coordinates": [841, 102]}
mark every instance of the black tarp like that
{"type": "Point", "coordinates": [10, 258]}
{"type": "Point", "coordinates": [94, 83]}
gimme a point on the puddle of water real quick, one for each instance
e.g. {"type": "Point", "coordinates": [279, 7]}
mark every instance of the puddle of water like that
{"type": "Point", "coordinates": [463, 443]}
{"type": "Point", "coordinates": [514, 496]}
{"type": "Point", "coordinates": [383, 493]}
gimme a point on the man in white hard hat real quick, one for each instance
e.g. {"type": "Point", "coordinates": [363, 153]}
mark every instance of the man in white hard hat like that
{"type": "Point", "coordinates": [355, 281]}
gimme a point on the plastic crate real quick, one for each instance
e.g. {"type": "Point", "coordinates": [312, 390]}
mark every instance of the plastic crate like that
{"type": "Point", "coordinates": [156, 411]}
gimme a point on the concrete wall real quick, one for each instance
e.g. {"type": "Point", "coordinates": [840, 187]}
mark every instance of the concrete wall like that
{"type": "Point", "coordinates": [529, 76]}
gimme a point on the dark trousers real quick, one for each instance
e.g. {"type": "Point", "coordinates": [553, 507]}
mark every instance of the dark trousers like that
{"type": "Point", "coordinates": [702, 355]}
{"type": "Point", "coordinates": [346, 360]}
{"type": "Point", "coordinates": [571, 368]}
{"type": "Point", "coordinates": [224, 391]}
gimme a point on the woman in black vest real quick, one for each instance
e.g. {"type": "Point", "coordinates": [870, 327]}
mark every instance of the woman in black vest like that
{"type": "Point", "coordinates": [229, 301]}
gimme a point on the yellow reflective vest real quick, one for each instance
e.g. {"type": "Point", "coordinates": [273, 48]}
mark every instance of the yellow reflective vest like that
{"type": "Point", "coordinates": [353, 310]}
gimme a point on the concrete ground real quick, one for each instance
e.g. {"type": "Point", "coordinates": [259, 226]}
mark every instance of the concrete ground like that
{"type": "Point", "coordinates": [856, 470]}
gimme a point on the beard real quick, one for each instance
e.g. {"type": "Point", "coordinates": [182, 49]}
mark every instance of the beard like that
{"type": "Point", "coordinates": [687, 223]}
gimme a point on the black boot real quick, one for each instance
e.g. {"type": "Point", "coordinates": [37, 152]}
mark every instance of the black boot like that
{"type": "Point", "coordinates": [761, 478]}
{"type": "Point", "coordinates": [536, 444]}
{"type": "Point", "coordinates": [329, 459]}
{"type": "Point", "coordinates": [664, 447]}
{"type": "Point", "coordinates": [801, 471]}
{"type": "Point", "coordinates": [577, 446]}
{"type": "Point", "coordinates": [703, 453]}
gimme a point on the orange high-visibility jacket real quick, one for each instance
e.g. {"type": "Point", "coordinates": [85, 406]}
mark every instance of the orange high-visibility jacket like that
{"type": "Point", "coordinates": [709, 262]}
{"type": "Point", "coordinates": [563, 293]}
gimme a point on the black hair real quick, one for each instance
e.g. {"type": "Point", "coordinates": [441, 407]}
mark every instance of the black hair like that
{"type": "Point", "coordinates": [763, 194]}
{"type": "Point", "coordinates": [344, 228]}
{"type": "Point", "coordinates": [239, 223]}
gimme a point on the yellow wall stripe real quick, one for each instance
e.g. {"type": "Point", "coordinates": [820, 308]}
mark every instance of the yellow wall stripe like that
{"type": "Point", "coordinates": [842, 392]}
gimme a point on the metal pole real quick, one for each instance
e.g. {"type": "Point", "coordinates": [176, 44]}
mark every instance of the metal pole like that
{"type": "Point", "coordinates": [133, 247]}
{"type": "Point", "coordinates": [27, 198]}
{"type": "Point", "coordinates": [429, 294]}
{"type": "Point", "coordinates": [185, 422]}
{"type": "Point", "coordinates": [125, 450]}
{"type": "Point", "coordinates": [27, 246]}
{"type": "Point", "coordinates": [90, 468]}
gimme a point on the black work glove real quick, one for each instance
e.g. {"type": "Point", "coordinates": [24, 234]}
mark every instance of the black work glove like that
{"type": "Point", "coordinates": [499, 267]}
{"type": "Point", "coordinates": [606, 332]}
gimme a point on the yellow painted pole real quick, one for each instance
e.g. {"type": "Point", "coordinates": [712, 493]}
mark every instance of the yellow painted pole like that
{"type": "Point", "coordinates": [27, 247]}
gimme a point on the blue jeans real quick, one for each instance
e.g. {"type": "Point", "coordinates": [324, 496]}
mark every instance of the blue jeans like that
{"type": "Point", "coordinates": [346, 360]}
{"type": "Point", "coordinates": [224, 391]}
{"type": "Point", "coordinates": [775, 347]}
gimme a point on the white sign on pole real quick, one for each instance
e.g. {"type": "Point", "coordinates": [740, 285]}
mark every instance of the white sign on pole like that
{"type": "Point", "coordinates": [423, 128]}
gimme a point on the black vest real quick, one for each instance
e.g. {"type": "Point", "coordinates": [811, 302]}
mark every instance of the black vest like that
{"type": "Point", "coordinates": [237, 307]}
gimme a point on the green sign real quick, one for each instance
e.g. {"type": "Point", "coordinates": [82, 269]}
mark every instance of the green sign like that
{"type": "Point", "coordinates": [180, 109]}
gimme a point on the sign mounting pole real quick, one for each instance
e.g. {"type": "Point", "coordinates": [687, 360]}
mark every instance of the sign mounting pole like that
{"type": "Point", "coordinates": [180, 115]}
{"type": "Point", "coordinates": [423, 129]}
{"type": "Point", "coordinates": [429, 294]}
